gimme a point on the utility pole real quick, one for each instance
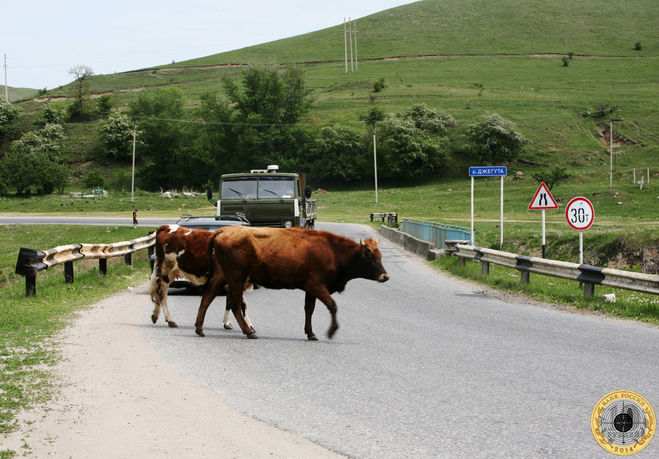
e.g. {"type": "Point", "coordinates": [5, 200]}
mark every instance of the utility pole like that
{"type": "Point", "coordinates": [345, 42]}
{"type": "Point", "coordinates": [611, 151]}
{"type": "Point", "coordinates": [132, 179]}
{"type": "Point", "coordinates": [350, 34]}
{"type": "Point", "coordinates": [354, 24]}
{"type": "Point", "coordinates": [375, 164]}
{"type": "Point", "coordinates": [6, 88]}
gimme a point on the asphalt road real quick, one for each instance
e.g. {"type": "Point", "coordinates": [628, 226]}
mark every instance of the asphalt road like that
{"type": "Point", "coordinates": [422, 366]}
{"type": "Point", "coordinates": [109, 221]}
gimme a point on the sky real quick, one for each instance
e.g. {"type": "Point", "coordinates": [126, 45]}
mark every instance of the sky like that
{"type": "Point", "coordinates": [44, 39]}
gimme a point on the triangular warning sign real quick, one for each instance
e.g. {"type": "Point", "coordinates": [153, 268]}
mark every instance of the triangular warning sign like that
{"type": "Point", "coordinates": [543, 199]}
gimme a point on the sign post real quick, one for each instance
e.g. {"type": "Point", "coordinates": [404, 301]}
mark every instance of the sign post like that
{"type": "Point", "coordinates": [487, 171]}
{"type": "Point", "coordinates": [543, 200]}
{"type": "Point", "coordinates": [580, 214]}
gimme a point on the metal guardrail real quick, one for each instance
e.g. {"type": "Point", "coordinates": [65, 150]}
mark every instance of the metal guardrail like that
{"type": "Point", "coordinates": [436, 233]}
{"type": "Point", "coordinates": [588, 275]}
{"type": "Point", "coordinates": [31, 261]}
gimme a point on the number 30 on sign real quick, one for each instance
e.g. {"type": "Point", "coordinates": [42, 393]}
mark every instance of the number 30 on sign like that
{"type": "Point", "coordinates": [580, 213]}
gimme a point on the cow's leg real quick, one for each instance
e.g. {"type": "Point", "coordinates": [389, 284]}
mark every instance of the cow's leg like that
{"type": "Point", "coordinates": [321, 292]}
{"type": "Point", "coordinates": [227, 319]}
{"type": "Point", "coordinates": [159, 286]}
{"type": "Point", "coordinates": [236, 301]}
{"type": "Point", "coordinates": [309, 306]}
{"type": "Point", "coordinates": [227, 316]}
{"type": "Point", "coordinates": [212, 289]}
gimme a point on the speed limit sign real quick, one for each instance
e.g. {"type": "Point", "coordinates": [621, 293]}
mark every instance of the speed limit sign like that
{"type": "Point", "coordinates": [579, 213]}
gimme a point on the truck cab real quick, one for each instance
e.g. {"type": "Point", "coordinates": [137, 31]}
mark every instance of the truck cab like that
{"type": "Point", "coordinates": [267, 197]}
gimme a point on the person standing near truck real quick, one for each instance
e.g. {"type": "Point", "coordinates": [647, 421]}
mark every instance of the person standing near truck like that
{"type": "Point", "coordinates": [135, 218]}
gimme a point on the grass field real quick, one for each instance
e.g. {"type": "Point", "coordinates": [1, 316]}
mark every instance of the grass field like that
{"type": "Point", "coordinates": [28, 326]}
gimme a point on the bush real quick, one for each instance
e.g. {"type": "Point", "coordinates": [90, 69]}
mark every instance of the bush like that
{"type": "Point", "coordinates": [49, 115]}
{"type": "Point", "coordinates": [494, 140]}
{"type": "Point", "coordinates": [429, 119]}
{"type": "Point", "coordinates": [104, 105]}
{"type": "Point", "coordinates": [566, 61]}
{"type": "Point", "coordinates": [378, 85]}
{"type": "Point", "coordinates": [407, 151]}
{"type": "Point", "coordinates": [94, 179]}
{"type": "Point", "coordinates": [637, 46]}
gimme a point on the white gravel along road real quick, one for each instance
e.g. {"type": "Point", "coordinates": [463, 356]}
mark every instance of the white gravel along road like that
{"type": "Point", "coordinates": [120, 400]}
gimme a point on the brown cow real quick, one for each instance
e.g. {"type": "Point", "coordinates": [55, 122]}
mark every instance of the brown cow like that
{"type": "Point", "coordinates": [181, 253]}
{"type": "Point", "coordinates": [318, 262]}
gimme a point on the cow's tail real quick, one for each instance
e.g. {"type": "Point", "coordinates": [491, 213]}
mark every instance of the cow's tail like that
{"type": "Point", "coordinates": [211, 254]}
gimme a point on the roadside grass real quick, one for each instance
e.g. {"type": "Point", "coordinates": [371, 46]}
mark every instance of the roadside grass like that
{"type": "Point", "coordinates": [629, 304]}
{"type": "Point", "coordinates": [29, 325]}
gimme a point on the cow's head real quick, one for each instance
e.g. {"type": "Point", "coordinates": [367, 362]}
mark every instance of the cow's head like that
{"type": "Point", "coordinates": [370, 261]}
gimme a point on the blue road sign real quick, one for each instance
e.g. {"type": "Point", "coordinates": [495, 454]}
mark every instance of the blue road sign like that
{"type": "Point", "coordinates": [488, 171]}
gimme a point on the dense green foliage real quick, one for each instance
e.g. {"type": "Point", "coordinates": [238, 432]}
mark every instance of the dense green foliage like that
{"type": "Point", "coordinates": [33, 163]}
{"type": "Point", "coordinates": [495, 140]}
{"type": "Point", "coordinates": [117, 135]}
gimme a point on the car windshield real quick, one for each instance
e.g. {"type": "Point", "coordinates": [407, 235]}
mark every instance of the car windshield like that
{"type": "Point", "coordinates": [258, 188]}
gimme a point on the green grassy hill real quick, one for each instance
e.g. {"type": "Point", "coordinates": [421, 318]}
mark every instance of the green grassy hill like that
{"type": "Point", "coordinates": [452, 27]}
{"type": "Point", "coordinates": [469, 58]}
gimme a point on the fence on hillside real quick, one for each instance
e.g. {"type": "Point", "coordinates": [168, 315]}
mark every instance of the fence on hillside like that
{"type": "Point", "coordinates": [435, 233]}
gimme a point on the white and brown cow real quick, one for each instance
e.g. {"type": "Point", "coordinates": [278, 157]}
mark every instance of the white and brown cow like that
{"type": "Point", "coordinates": [182, 253]}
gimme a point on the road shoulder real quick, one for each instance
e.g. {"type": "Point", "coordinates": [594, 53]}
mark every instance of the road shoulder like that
{"type": "Point", "coordinates": [118, 399]}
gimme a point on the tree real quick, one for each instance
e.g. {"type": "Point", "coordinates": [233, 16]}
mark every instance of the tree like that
{"type": "Point", "coordinates": [79, 109]}
{"type": "Point", "coordinates": [407, 150]}
{"type": "Point", "coordinates": [337, 153]}
{"type": "Point", "coordinates": [117, 135]}
{"type": "Point", "coordinates": [552, 178]}
{"type": "Point", "coordinates": [168, 147]}
{"type": "Point", "coordinates": [8, 114]}
{"type": "Point", "coordinates": [33, 162]}
{"type": "Point", "coordinates": [268, 104]}
{"type": "Point", "coordinates": [494, 140]}
{"type": "Point", "coordinates": [429, 119]}
{"type": "Point", "coordinates": [104, 105]}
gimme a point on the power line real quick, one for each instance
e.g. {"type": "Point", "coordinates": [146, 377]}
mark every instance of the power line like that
{"type": "Point", "coordinates": [226, 123]}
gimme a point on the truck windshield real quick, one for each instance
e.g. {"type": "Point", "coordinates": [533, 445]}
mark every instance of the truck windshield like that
{"type": "Point", "coordinates": [258, 188]}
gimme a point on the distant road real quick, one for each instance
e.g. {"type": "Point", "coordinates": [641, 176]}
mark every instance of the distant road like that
{"type": "Point", "coordinates": [102, 221]}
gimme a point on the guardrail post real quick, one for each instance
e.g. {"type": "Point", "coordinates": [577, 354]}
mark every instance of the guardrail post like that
{"type": "Point", "coordinates": [128, 259]}
{"type": "Point", "coordinates": [524, 278]}
{"type": "Point", "coordinates": [103, 265]}
{"type": "Point", "coordinates": [588, 289]}
{"type": "Point", "coordinates": [31, 282]}
{"type": "Point", "coordinates": [485, 267]}
{"type": "Point", "coordinates": [68, 272]}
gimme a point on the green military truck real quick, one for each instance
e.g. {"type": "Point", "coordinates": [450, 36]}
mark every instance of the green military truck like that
{"type": "Point", "coordinates": [267, 197]}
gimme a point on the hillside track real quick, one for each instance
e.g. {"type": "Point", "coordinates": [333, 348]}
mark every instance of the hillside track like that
{"type": "Point", "coordinates": [422, 366]}
{"type": "Point", "coordinates": [308, 63]}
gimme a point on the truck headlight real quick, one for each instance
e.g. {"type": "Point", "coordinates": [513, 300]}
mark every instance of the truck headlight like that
{"type": "Point", "coordinates": [288, 224]}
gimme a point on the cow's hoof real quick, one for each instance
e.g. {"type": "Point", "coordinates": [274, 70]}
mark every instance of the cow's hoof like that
{"type": "Point", "coordinates": [312, 337]}
{"type": "Point", "coordinates": [331, 331]}
{"type": "Point", "coordinates": [172, 324]}
{"type": "Point", "coordinates": [200, 333]}
{"type": "Point", "coordinates": [252, 336]}
{"type": "Point", "coordinates": [154, 319]}
{"type": "Point", "coordinates": [228, 326]}
{"type": "Point", "coordinates": [253, 331]}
